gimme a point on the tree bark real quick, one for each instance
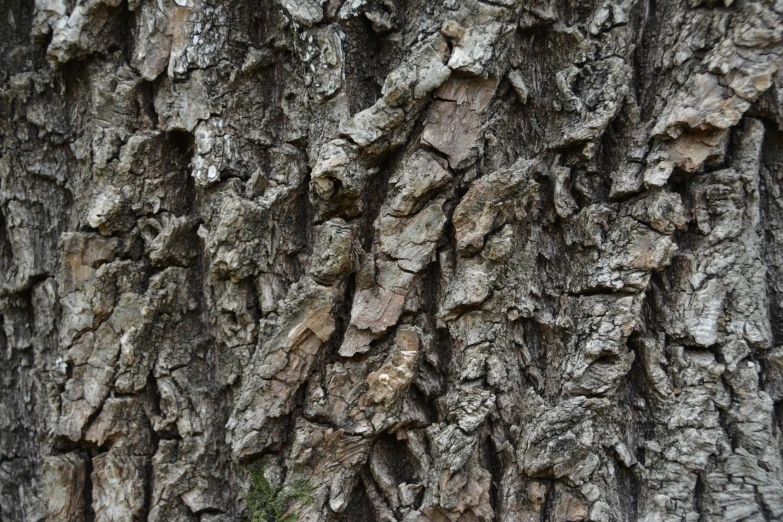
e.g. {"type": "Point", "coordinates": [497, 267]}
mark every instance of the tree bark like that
{"type": "Point", "coordinates": [452, 261]}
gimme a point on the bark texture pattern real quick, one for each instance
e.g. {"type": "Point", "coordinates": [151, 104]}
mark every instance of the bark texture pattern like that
{"type": "Point", "coordinates": [445, 261]}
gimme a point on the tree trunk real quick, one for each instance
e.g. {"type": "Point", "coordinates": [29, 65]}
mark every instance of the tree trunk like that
{"type": "Point", "coordinates": [435, 261]}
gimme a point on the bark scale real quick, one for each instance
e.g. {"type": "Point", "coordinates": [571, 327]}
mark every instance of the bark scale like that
{"type": "Point", "coordinates": [444, 261]}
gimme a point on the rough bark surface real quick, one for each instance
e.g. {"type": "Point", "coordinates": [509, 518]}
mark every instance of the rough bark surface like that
{"type": "Point", "coordinates": [446, 261]}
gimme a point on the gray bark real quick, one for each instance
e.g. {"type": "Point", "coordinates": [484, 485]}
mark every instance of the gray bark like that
{"type": "Point", "coordinates": [446, 261]}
